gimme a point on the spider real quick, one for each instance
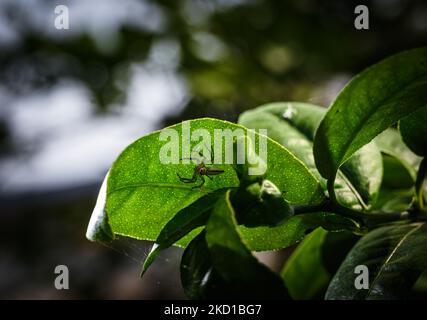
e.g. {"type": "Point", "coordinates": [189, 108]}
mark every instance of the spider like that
{"type": "Point", "coordinates": [201, 170]}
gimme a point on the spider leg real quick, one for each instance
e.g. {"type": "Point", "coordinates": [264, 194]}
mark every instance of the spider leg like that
{"type": "Point", "coordinates": [196, 160]}
{"type": "Point", "coordinates": [201, 184]}
{"type": "Point", "coordinates": [188, 180]}
{"type": "Point", "coordinates": [185, 180]}
{"type": "Point", "coordinates": [210, 151]}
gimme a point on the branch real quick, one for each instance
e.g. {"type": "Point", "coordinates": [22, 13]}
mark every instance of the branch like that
{"type": "Point", "coordinates": [366, 219]}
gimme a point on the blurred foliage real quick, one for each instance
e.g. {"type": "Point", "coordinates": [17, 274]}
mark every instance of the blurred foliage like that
{"type": "Point", "coordinates": [234, 54]}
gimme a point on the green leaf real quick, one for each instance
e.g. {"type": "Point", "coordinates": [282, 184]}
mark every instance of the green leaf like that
{"type": "Point", "coordinates": [294, 124]}
{"type": "Point", "coordinates": [143, 194]}
{"type": "Point", "coordinates": [390, 142]}
{"type": "Point", "coordinates": [99, 228]}
{"type": "Point", "coordinates": [396, 175]}
{"type": "Point", "coordinates": [395, 256]}
{"type": "Point", "coordinates": [414, 131]}
{"type": "Point", "coordinates": [304, 273]}
{"type": "Point", "coordinates": [335, 248]}
{"type": "Point", "coordinates": [233, 260]}
{"type": "Point", "coordinates": [293, 230]}
{"type": "Point", "coordinates": [261, 204]}
{"type": "Point", "coordinates": [393, 200]}
{"type": "Point", "coordinates": [185, 221]}
{"type": "Point", "coordinates": [272, 199]}
{"type": "Point", "coordinates": [195, 267]}
{"type": "Point", "coordinates": [310, 267]}
{"type": "Point", "coordinates": [420, 287]}
{"type": "Point", "coordinates": [198, 277]}
{"type": "Point", "coordinates": [400, 165]}
{"type": "Point", "coordinates": [364, 171]}
{"type": "Point", "coordinates": [397, 154]}
{"type": "Point", "coordinates": [370, 103]}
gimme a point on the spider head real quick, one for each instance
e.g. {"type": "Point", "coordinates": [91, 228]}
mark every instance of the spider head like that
{"type": "Point", "coordinates": [203, 170]}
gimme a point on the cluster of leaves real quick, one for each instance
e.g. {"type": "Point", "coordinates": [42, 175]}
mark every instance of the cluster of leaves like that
{"type": "Point", "coordinates": [346, 182]}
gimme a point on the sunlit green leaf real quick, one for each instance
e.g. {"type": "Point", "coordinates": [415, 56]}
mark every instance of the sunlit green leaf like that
{"type": "Point", "coordinates": [371, 102]}
{"type": "Point", "coordinates": [294, 124]}
{"type": "Point", "coordinates": [143, 194]}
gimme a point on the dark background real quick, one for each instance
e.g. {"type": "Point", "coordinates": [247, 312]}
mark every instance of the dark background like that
{"type": "Point", "coordinates": [71, 100]}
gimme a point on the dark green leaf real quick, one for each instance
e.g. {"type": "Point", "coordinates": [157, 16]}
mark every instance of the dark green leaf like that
{"type": "Point", "coordinates": [393, 200]}
{"type": "Point", "coordinates": [196, 265]}
{"type": "Point", "coordinates": [370, 103]}
{"type": "Point", "coordinates": [395, 256]}
{"type": "Point", "coordinates": [396, 176]}
{"type": "Point", "coordinates": [419, 289]}
{"type": "Point", "coordinates": [335, 248]}
{"type": "Point", "coordinates": [261, 205]}
{"type": "Point", "coordinates": [272, 199]}
{"type": "Point", "coordinates": [391, 144]}
{"type": "Point", "coordinates": [414, 131]}
{"type": "Point", "coordinates": [186, 220]}
{"type": "Point", "coordinates": [304, 273]}
{"type": "Point", "coordinates": [309, 269]}
{"type": "Point", "coordinates": [198, 277]}
{"type": "Point", "coordinates": [400, 165]}
{"type": "Point", "coordinates": [233, 260]}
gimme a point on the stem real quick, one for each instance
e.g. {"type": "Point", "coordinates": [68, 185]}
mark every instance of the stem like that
{"type": "Point", "coordinates": [303, 209]}
{"type": "Point", "coordinates": [366, 219]}
{"type": "Point", "coordinates": [422, 170]}
{"type": "Point", "coordinates": [331, 190]}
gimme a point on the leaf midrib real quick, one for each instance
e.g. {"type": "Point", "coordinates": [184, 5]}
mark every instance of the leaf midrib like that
{"type": "Point", "coordinates": [156, 185]}
{"type": "Point", "coordinates": [390, 256]}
